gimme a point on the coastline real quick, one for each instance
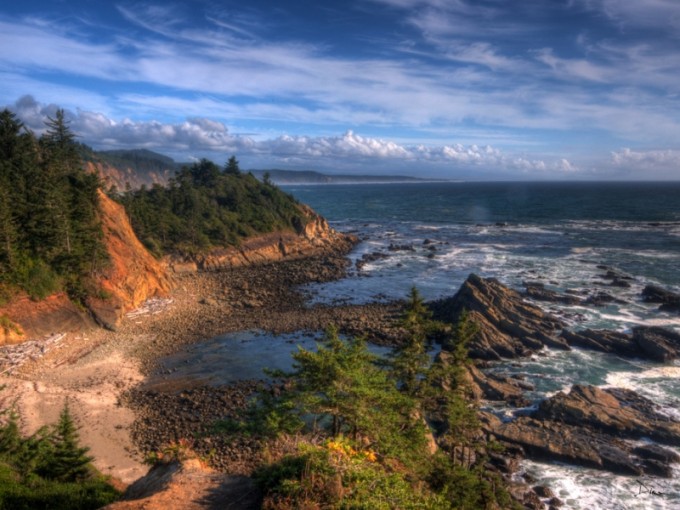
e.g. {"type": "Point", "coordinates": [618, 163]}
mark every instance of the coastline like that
{"type": "Point", "coordinates": [95, 371]}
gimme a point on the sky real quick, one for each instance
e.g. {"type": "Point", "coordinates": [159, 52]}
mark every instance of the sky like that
{"type": "Point", "coordinates": [457, 89]}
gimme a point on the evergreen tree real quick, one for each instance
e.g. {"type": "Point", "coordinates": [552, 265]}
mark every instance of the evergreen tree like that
{"type": "Point", "coordinates": [455, 405]}
{"type": "Point", "coordinates": [232, 166]}
{"type": "Point", "coordinates": [68, 461]}
{"type": "Point", "coordinates": [344, 388]}
{"type": "Point", "coordinates": [410, 360]}
{"type": "Point", "coordinates": [10, 436]}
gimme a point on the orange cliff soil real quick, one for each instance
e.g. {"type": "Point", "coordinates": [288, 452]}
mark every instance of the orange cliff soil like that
{"type": "Point", "coordinates": [133, 274]}
{"type": "Point", "coordinates": [132, 277]}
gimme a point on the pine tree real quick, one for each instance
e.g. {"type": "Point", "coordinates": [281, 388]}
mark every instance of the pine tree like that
{"type": "Point", "coordinates": [342, 381]}
{"type": "Point", "coordinates": [67, 461]}
{"type": "Point", "coordinates": [410, 360]}
{"type": "Point", "coordinates": [232, 166]}
{"type": "Point", "coordinates": [10, 436]}
{"type": "Point", "coordinates": [458, 410]}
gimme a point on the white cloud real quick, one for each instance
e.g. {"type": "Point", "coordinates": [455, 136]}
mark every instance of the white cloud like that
{"type": "Point", "coordinates": [199, 135]}
{"type": "Point", "coordinates": [656, 14]}
{"type": "Point", "coordinates": [652, 163]}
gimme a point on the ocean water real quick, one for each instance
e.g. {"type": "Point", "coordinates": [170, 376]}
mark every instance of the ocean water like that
{"type": "Point", "coordinates": [564, 235]}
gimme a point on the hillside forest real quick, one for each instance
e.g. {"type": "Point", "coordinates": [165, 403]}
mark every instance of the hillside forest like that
{"type": "Point", "coordinates": [50, 230]}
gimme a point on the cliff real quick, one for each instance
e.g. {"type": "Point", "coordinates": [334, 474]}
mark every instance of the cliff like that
{"type": "Point", "coordinates": [122, 176]}
{"type": "Point", "coordinates": [315, 237]}
{"type": "Point", "coordinates": [134, 275]}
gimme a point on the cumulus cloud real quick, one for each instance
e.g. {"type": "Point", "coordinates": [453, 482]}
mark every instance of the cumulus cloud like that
{"type": "Point", "coordinates": [198, 135]}
{"type": "Point", "coordinates": [656, 161]}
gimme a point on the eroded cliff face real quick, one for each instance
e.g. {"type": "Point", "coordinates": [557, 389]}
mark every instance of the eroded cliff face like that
{"type": "Point", "coordinates": [133, 274]}
{"type": "Point", "coordinates": [121, 177]}
{"type": "Point", "coordinates": [315, 237]}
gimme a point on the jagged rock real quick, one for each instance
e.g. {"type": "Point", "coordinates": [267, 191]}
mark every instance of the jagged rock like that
{"type": "Point", "coordinates": [617, 278]}
{"type": "Point", "coordinates": [401, 247]}
{"type": "Point", "coordinates": [615, 411]}
{"type": "Point", "coordinates": [494, 387]}
{"type": "Point", "coordinates": [537, 291]}
{"type": "Point", "coordinates": [653, 343]}
{"type": "Point", "coordinates": [509, 327]}
{"type": "Point", "coordinates": [588, 427]}
{"type": "Point", "coordinates": [657, 343]}
{"type": "Point", "coordinates": [557, 441]}
{"type": "Point", "coordinates": [601, 340]}
{"type": "Point", "coordinates": [669, 301]}
{"type": "Point", "coordinates": [370, 257]}
{"type": "Point", "coordinates": [602, 299]}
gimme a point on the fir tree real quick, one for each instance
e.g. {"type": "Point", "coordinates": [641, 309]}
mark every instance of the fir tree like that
{"type": "Point", "coordinates": [410, 360]}
{"type": "Point", "coordinates": [68, 461]}
{"type": "Point", "coordinates": [232, 166]}
{"type": "Point", "coordinates": [10, 436]}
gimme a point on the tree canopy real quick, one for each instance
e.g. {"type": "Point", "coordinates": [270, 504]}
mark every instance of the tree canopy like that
{"type": "Point", "coordinates": [205, 207]}
{"type": "Point", "coordinates": [50, 234]}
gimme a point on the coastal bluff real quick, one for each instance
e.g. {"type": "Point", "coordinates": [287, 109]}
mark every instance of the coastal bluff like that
{"type": "Point", "coordinates": [133, 275]}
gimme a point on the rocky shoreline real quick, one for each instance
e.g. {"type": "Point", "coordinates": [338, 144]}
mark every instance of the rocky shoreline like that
{"type": "Point", "coordinates": [263, 297]}
{"type": "Point", "coordinates": [588, 426]}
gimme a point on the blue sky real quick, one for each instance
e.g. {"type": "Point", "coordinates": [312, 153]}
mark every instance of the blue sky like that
{"type": "Point", "coordinates": [474, 89]}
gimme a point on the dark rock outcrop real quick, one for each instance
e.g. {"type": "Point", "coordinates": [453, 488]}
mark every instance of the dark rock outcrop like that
{"type": "Point", "coordinates": [495, 387]}
{"type": "Point", "coordinates": [588, 427]}
{"type": "Point", "coordinates": [619, 412]}
{"type": "Point", "coordinates": [669, 301]}
{"type": "Point", "coordinates": [653, 343]}
{"type": "Point", "coordinates": [537, 291]}
{"type": "Point", "coordinates": [509, 327]}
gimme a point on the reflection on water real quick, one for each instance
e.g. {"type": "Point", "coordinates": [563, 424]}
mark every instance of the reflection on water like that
{"type": "Point", "coordinates": [229, 358]}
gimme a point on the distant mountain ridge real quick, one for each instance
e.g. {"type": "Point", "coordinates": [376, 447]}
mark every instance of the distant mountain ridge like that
{"type": "Point", "coordinates": [130, 168]}
{"type": "Point", "coordinates": [138, 167]}
{"type": "Point", "coordinates": [313, 177]}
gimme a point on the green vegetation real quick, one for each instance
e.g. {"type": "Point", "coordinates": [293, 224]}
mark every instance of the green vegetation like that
{"type": "Point", "coordinates": [205, 206]}
{"type": "Point", "coordinates": [49, 469]}
{"type": "Point", "coordinates": [354, 431]}
{"type": "Point", "coordinates": [50, 235]}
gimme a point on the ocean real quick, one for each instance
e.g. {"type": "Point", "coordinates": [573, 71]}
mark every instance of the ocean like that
{"type": "Point", "coordinates": [564, 235]}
